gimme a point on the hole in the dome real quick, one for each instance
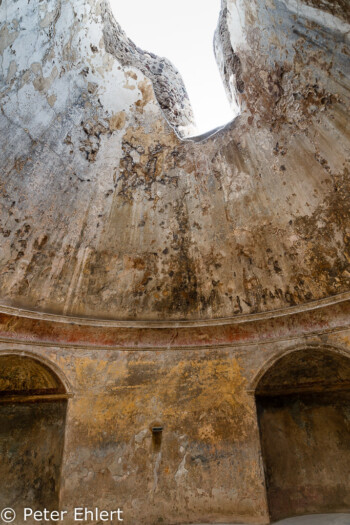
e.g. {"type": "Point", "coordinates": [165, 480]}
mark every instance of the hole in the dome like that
{"type": "Point", "coordinates": [183, 33]}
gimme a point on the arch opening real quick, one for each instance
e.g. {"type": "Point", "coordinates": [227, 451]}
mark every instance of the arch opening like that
{"type": "Point", "coordinates": [33, 406]}
{"type": "Point", "coordinates": [303, 408]}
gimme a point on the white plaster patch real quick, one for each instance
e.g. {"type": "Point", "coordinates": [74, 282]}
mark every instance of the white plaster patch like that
{"type": "Point", "coordinates": [236, 22]}
{"type": "Point", "coordinates": [114, 83]}
{"type": "Point", "coordinates": [181, 472]}
{"type": "Point", "coordinates": [21, 111]}
{"type": "Point", "coordinates": [141, 436]}
{"type": "Point", "coordinates": [317, 15]}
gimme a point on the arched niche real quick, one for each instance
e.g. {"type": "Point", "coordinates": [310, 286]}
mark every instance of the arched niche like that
{"type": "Point", "coordinates": [303, 407]}
{"type": "Point", "coordinates": [33, 405]}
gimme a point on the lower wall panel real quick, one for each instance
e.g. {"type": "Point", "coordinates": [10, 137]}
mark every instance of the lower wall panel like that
{"type": "Point", "coordinates": [306, 448]}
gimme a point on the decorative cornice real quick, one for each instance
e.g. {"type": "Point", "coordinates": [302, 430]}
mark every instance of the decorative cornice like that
{"type": "Point", "coordinates": [34, 328]}
{"type": "Point", "coordinates": [156, 324]}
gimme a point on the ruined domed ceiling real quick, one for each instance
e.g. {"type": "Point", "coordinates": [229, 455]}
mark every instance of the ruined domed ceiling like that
{"type": "Point", "coordinates": [110, 209]}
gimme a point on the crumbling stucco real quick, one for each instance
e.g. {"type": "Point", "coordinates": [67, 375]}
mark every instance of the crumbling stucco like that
{"type": "Point", "coordinates": [168, 86]}
{"type": "Point", "coordinates": [164, 277]}
{"type": "Point", "coordinates": [107, 213]}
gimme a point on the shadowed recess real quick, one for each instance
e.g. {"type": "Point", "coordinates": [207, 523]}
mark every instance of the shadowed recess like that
{"type": "Point", "coordinates": [306, 371]}
{"type": "Point", "coordinates": [26, 376]}
{"type": "Point", "coordinates": [31, 433]}
{"type": "Point", "coordinates": [303, 404]}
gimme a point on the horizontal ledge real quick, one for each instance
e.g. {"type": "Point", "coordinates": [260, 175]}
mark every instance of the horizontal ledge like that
{"type": "Point", "coordinates": [83, 345]}
{"type": "Point", "coordinates": [4, 400]}
{"type": "Point", "coordinates": [320, 388]}
{"type": "Point", "coordinates": [221, 321]}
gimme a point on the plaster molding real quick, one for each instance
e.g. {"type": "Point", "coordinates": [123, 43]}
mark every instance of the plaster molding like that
{"type": "Point", "coordinates": [197, 347]}
{"type": "Point", "coordinates": [154, 324]}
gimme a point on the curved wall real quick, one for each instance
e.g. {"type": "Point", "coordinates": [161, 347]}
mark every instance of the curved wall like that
{"type": "Point", "coordinates": [163, 276]}
{"type": "Point", "coordinates": [108, 214]}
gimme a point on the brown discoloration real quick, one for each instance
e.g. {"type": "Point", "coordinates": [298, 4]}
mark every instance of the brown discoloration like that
{"type": "Point", "coordinates": [146, 94]}
{"type": "Point", "coordinates": [200, 397]}
{"type": "Point", "coordinates": [206, 415]}
{"type": "Point", "coordinates": [6, 38]}
{"type": "Point", "coordinates": [316, 321]}
{"type": "Point", "coordinates": [162, 278]}
{"type": "Point", "coordinates": [42, 83]}
{"type": "Point", "coordinates": [251, 265]}
{"type": "Point", "coordinates": [117, 121]}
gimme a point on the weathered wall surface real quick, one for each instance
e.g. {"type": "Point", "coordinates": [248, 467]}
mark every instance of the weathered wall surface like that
{"type": "Point", "coordinates": [207, 465]}
{"type": "Point", "coordinates": [107, 213]}
{"type": "Point", "coordinates": [200, 388]}
{"type": "Point", "coordinates": [162, 277]}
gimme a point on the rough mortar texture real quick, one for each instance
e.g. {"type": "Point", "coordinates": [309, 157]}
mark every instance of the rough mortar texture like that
{"type": "Point", "coordinates": [149, 279]}
{"type": "Point", "coordinates": [108, 213]}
